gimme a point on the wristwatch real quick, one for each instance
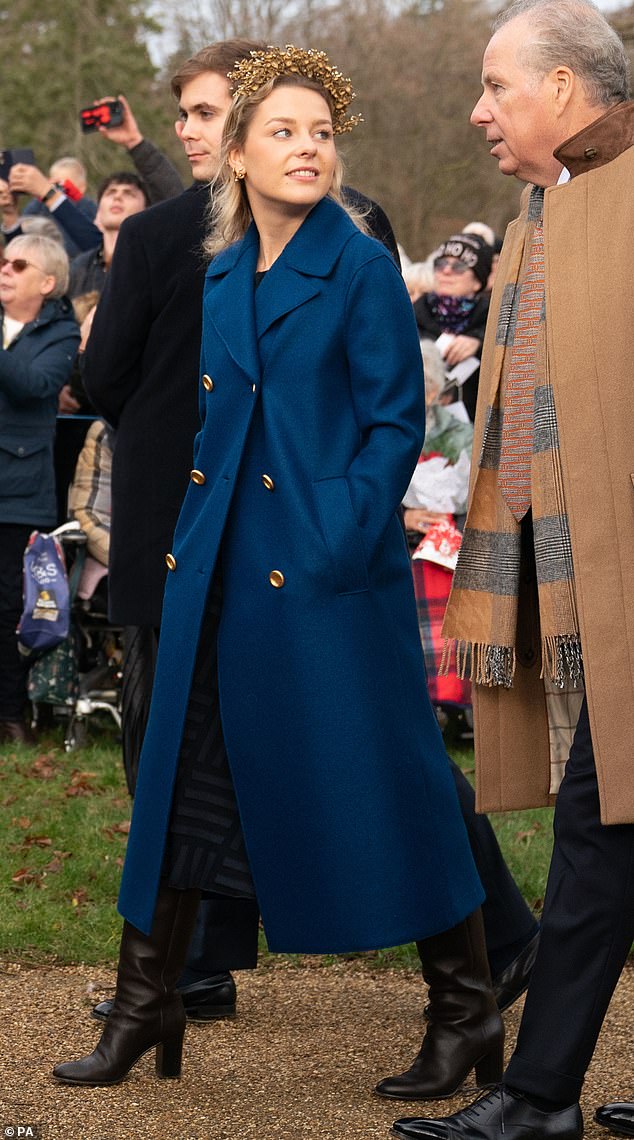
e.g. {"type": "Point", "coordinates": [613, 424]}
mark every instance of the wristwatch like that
{"type": "Point", "coordinates": [52, 192]}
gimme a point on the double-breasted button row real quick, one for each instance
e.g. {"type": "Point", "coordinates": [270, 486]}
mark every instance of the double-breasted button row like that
{"type": "Point", "coordinates": [198, 477]}
{"type": "Point", "coordinates": [208, 383]}
{"type": "Point", "coordinates": [170, 561]}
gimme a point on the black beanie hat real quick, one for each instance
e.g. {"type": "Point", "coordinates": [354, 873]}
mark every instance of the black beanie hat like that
{"type": "Point", "coordinates": [472, 250]}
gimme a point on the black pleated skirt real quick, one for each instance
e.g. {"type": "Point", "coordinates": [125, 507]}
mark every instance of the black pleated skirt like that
{"type": "Point", "coordinates": [205, 845]}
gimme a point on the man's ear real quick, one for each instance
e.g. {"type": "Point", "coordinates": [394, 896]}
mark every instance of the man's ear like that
{"type": "Point", "coordinates": [565, 82]}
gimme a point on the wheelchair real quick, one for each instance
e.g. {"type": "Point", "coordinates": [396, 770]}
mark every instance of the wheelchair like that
{"type": "Point", "coordinates": [81, 678]}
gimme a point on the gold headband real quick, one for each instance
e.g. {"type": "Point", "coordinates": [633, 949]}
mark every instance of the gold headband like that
{"type": "Point", "coordinates": [250, 74]}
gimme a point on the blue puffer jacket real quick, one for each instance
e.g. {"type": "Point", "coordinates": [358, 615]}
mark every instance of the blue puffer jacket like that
{"type": "Point", "coordinates": [32, 370]}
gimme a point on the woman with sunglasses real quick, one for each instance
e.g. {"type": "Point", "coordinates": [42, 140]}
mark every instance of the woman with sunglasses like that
{"type": "Point", "coordinates": [39, 343]}
{"type": "Point", "coordinates": [458, 306]}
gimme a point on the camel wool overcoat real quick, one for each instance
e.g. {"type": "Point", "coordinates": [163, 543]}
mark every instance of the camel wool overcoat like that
{"type": "Point", "coordinates": [589, 259]}
{"type": "Point", "coordinates": [312, 401]}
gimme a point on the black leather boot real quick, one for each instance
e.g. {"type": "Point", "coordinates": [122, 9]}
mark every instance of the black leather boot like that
{"type": "Point", "coordinates": [148, 1013]}
{"type": "Point", "coordinates": [465, 1030]}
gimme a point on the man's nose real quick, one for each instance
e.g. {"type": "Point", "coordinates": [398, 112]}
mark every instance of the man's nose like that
{"type": "Point", "coordinates": [188, 130]}
{"type": "Point", "coordinates": [480, 115]}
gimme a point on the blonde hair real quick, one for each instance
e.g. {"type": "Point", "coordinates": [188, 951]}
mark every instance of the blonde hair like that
{"type": "Point", "coordinates": [230, 214]}
{"type": "Point", "coordinates": [52, 257]}
{"type": "Point", "coordinates": [71, 168]}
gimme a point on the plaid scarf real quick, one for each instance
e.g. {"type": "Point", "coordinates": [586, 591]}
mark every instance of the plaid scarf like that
{"type": "Point", "coordinates": [481, 619]}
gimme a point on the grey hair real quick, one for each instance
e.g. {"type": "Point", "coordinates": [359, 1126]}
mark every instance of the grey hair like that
{"type": "Point", "coordinates": [574, 33]}
{"type": "Point", "coordinates": [52, 258]}
{"type": "Point", "coordinates": [435, 373]}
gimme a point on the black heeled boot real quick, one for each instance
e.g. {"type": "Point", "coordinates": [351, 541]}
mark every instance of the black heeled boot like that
{"type": "Point", "coordinates": [147, 1013]}
{"type": "Point", "coordinates": [465, 1029]}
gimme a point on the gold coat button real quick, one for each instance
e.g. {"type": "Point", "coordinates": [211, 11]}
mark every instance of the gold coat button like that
{"type": "Point", "coordinates": [198, 477]}
{"type": "Point", "coordinates": [276, 578]}
{"type": "Point", "coordinates": [208, 383]}
{"type": "Point", "coordinates": [170, 561]}
{"type": "Point", "coordinates": [253, 387]}
{"type": "Point", "coordinates": [268, 482]}
{"type": "Point", "coordinates": [590, 152]}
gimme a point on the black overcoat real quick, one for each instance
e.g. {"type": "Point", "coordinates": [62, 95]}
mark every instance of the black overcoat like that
{"type": "Point", "coordinates": [141, 373]}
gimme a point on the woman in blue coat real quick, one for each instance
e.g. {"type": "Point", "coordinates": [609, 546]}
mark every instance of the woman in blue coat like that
{"type": "Point", "coordinates": [40, 338]}
{"type": "Point", "coordinates": [292, 752]}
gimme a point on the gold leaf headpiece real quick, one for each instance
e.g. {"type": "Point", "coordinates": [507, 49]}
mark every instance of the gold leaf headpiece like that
{"type": "Point", "coordinates": [252, 73]}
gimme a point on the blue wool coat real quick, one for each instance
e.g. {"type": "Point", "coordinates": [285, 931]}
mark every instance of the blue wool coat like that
{"type": "Point", "coordinates": [312, 406]}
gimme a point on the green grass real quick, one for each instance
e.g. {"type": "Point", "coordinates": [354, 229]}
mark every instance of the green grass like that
{"type": "Point", "coordinates": [64, 822]}
{"type": "Point", "coordinates": [64, 825]}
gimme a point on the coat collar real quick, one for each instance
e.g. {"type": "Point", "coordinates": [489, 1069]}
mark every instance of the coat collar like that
{"type": "Point", "coordinates": [600, 142]}
{"type": "Point", "coordinates": [295, 278]}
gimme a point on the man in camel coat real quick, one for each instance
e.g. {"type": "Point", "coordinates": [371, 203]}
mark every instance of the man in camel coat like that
{"type": "Point", "coordinates": [541, 610]}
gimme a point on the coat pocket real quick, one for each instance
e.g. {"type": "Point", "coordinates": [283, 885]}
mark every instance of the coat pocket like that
{"type": "Point", "coordinates": [341, 534]}
{"type": "Point", "coordinates": [22, 466]}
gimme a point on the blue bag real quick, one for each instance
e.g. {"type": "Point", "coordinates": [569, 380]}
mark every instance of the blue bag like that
{"type": "Point", "coordinates": [46, 616]}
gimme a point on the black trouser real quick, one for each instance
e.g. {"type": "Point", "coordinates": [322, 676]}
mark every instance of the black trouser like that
{"type": "Point", "coordinates": [508, 922]}
{"type": "Point", "coordinates": [13, 666]}
{"type": "Point", "coordinates": [226, 933]}
{"type": "Point", "coordinates": [587, 932]}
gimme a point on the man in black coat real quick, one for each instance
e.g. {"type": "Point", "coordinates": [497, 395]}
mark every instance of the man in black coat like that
{"type": "Point", "coordinates": [141, 370]}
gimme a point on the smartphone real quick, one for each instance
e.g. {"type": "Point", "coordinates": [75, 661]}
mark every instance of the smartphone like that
{"type": "Point", "coordinates": [108, 113]}
{"type": "Point", "coordinates": [9, 158]}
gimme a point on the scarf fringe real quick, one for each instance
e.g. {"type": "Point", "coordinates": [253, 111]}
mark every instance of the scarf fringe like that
{"type": "Point", "coordinates": [562, 660]}
{"type": "Point", "coordinates": [492, 665]}
{"type": "Point", "coordinates": [486, 664]}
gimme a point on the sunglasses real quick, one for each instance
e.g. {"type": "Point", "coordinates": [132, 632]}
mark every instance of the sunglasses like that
{"type": "Point", "coordinates": [19, 264]}
{"type": "Point", "coordinates": [448, 263]}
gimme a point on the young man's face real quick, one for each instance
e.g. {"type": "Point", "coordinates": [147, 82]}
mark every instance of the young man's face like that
{"type": "Point", "coordinates": [203, 108]}
{"type": "Point", "coordinates": [118, 201]}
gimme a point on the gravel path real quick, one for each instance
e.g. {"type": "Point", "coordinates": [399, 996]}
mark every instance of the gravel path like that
{"type": "Point", "coordinates": [298, 1063]}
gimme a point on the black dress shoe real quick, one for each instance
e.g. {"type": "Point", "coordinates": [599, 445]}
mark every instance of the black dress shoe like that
{"type": "Point", "coordinates": [498, 1112]}
{"type": "Point", "coordinates": [209, 1000]}
{"type": "Point", "coordinates": [513, 980]}
{"type": "Point", "coordinates": [618, 1117]}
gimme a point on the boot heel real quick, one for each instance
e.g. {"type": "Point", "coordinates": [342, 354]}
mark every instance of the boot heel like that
{"type": "Point", "coordinates": [489, 1069]}
{"type": "Point", "coordinates": [169, 1055]}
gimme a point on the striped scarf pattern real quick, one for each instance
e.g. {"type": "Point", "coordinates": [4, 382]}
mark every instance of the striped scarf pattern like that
{"type": "Point", "coordinates": [519, 469]}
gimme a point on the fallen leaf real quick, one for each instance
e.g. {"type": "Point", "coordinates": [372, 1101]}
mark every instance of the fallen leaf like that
{"type": "Point", "coordinates": [23, 822]}
{"type": "Point", "coordinates": [26, 875]}
{"type": "Point", "coordinates": [122, 828]}
{"type": "Point", "coordinates": [80, 784]}
{"type": "Point", "coordinates": [8, 800]}
{"type": "Point", "coordinates": [43, 767]}
{"type": "Point", "coordinates": [37, 841]}
{"type": "Point", "coordinates": [525, 836]}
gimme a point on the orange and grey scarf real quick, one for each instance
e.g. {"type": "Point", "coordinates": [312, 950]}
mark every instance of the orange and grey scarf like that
{"type": "Point", "coordinates": [519, 469]}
